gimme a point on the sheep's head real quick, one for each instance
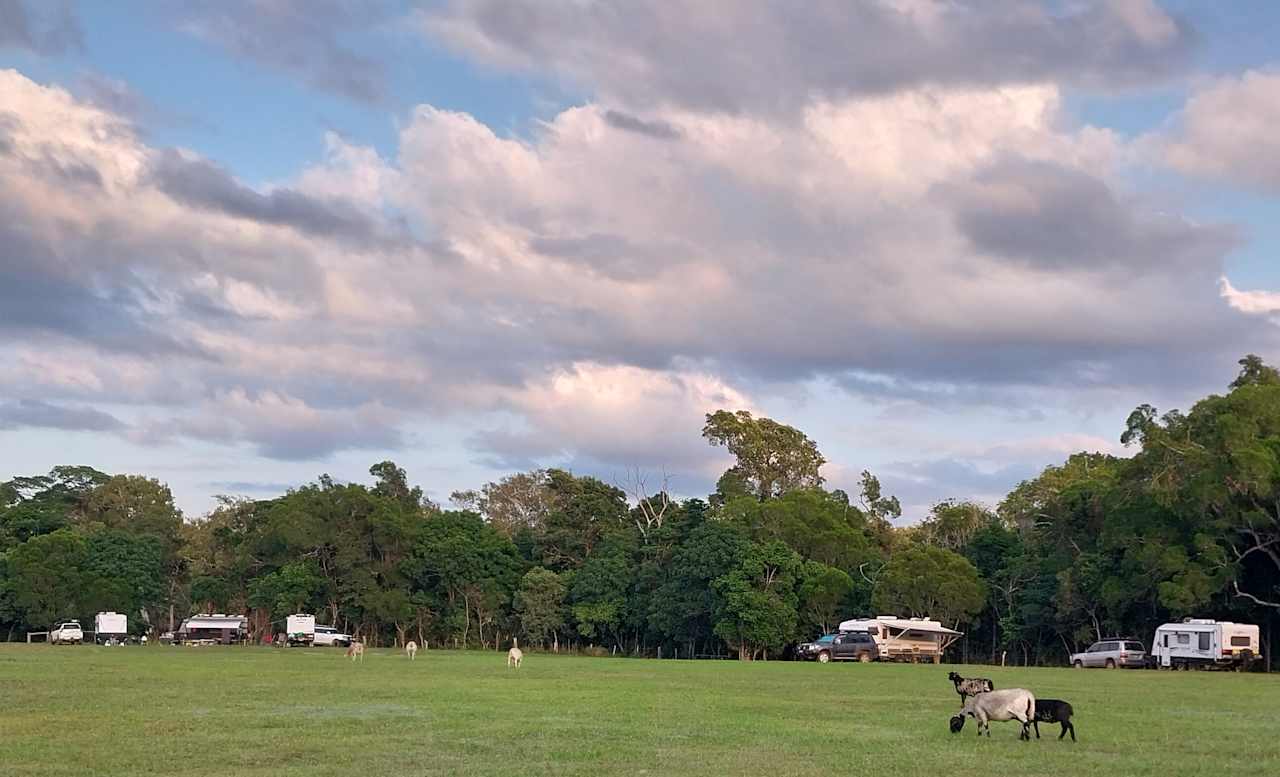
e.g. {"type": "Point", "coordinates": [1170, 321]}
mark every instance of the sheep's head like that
{"type": "Point", "coordinates": [957, 723]}
{"type": "Point", "coordinates": [954, 677]}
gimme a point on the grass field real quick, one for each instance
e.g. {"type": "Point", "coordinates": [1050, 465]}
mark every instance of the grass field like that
{"type": "Point", "coordinates": [247, 711]}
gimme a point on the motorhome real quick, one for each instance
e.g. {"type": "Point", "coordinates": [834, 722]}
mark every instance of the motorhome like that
{"type": "Point", "coordinates": [1202, 642]}
{"type": "Point", "coordinates": [110, 628]}
{"type": "Point", "coordinates": [906, 639]}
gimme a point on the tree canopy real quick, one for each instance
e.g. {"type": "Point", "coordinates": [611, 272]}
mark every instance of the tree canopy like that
{"type": "Point", "coordinates": [1094, 545]}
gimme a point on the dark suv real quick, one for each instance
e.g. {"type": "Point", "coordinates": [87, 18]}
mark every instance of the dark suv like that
{"type": "Point", "coordinates": [845, 646]}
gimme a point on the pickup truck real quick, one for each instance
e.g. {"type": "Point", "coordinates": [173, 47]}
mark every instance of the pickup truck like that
{"type": "Point", "coordinates": [67, 633]}
{"type": "Point", "coordinates": [328, 636]}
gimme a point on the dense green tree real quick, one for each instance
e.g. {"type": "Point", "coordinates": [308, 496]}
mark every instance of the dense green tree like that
{"type": "Point", "coordinates": [817, 524]}
{"type": "Point", "coordinates": [469, 567]}
{"type": "Point", "coordinates": [953, 524]}
{"type": "Point", "coordinates": [598, 595]}
{"type": "Point", "coordinates": [772, 458]}
{"type": "Point", "coordinates": [49, 578]}
{"type": "Point", "coordinates": [585, 512]}
{"type": "Point", "coordinates": [540, 604]}
{"type": "Point", "coordinates": [823, 592]}
{"type": "Point", "coordinates": [40, 504]}
{"type": "Point", "coordinates": [757, 612]}
{"type": "Point", "coordinates": [925, 581]}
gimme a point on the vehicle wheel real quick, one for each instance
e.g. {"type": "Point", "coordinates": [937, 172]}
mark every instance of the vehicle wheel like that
{"type": "Point", "coordinates": [1111, 664]}
{"type": "Point", "coordinates": [824, 657]}
{"type": "Point", "coordinates": [865, 658]}
{"type": "Point", "coordinates": [1078, 665]}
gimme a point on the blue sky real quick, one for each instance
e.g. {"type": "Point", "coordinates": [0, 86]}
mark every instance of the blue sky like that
{"type": "Point", "coordinates": [246, 243]}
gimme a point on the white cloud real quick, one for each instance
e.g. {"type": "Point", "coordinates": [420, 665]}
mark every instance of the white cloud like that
{"type": "Point", "coordinates": [1227, 131]}
{"type": "Point", "coordinates": [602, 283]}
{"type": "Point", "coordinates": [1258, 303]}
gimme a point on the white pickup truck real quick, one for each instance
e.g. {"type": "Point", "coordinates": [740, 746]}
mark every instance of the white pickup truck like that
{"type": "Point", "coordinates": [328, 636]}
{"type": "Point", "coordinates": [67, 633]}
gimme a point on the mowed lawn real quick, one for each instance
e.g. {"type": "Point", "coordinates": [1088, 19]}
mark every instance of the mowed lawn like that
{"type": "Point", "coordinates": [246, 711]}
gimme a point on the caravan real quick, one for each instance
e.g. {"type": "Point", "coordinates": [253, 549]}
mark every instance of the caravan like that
{"type": "Point", "coordinates": [1201, 642]}
{"type": "Point", "coordinates": [110, 628]}
{"type": "Point", "coordinates": [911, 639]}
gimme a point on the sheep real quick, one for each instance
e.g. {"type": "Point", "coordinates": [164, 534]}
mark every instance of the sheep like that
{"type": "Point", "coordinates": [515, 656]}
{"type": "Point", "coordinates": [1054, 711]}
{"type": "Point", "coordinates": [411, 649]}
{"type": "Point", "coordinates": [970, 686]}
{"type": "Point", "coordinates": [1010, 704]}
{"type": "Point", "coordinates": [356, 651]}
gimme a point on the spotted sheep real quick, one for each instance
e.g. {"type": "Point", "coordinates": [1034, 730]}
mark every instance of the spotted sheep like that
{"type": "Point", "coordinates": [1011, 704]}
{"type": "Point", "coordinates": [970, 686]}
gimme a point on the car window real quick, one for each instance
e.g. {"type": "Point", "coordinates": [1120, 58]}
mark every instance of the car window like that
{"type": "Point", "coordinates": [1133, 646]}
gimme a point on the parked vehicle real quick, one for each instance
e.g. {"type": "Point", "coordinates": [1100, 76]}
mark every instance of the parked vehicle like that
{"type": "Point", "coordinates": [907, 639]}
{"type": "Point", "coordinates": [328, 636]}
{"type": "Point", "coordinates": [845, 646]}
{"type": "Point", "coordinates": [110, 628]}
{"type": "Point", "coordinates": [207, 629]}
{"type": "Point", "coordinates": [67, 633]}
{"type": "Point", "coordinates": [808, 651]}
{"type": "Point", "coordinates": [1200, 642]}
{"type": "Point", "coordinates": [300, 630]}
{"type": "Point", "coordinates": [1111, 654]}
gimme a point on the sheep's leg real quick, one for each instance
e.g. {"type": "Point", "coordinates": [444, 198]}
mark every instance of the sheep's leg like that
{"type": "Point", "coordinates": [1037, 725]}
{"type": "Point", "coordinates": [1068, 726]}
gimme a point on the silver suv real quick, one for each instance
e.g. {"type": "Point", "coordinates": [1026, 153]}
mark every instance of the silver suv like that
{"type": "Point", "coordinates": [1111, 653]}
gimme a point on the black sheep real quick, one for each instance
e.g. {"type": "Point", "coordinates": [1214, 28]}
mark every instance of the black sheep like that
{"type": "Point", "coordinates": [1054, 711]}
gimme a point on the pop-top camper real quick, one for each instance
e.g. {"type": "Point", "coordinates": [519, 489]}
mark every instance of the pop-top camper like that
{"type": "Point", "coordinates": [1202, 642]}
{"type": "Point", "coordinates": [910, 639]}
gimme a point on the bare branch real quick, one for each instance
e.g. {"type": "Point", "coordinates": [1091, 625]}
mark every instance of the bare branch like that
{"type": "Point", "coordinates": [1253, 598]}
{"type": "Point", "coordinates": [652, 510]}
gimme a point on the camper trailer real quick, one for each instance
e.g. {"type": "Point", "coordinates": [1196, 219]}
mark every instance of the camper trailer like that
{"type": "Point", "coordinates": [1200, 642]}
{"type": "Point", "coordinates": [906, 639]}
{"type": "Point", "coordinates": [212, 629]}
{"type": "Point", "coordinates": [110, 628]}
{"type": "Point", "coordinates": [300, 630]}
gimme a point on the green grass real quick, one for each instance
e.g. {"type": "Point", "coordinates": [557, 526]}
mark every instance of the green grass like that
{"type": "Point", "coordinates": [248, 711]}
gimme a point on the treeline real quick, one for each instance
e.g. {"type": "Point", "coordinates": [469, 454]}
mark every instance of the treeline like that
{"type": "Point", "coordinates": [1096, 546]}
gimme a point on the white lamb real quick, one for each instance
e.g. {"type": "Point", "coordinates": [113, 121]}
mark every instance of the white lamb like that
{"type": "Point", "coordinates": [1010, 704]}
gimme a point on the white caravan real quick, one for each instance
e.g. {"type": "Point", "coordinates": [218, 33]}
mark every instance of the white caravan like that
{"type": "Point", "coordinates": [110, 628]}
{"type": "Point", "coordinates": [300, 629]}
{"type": "Point", "coordinates": [1202, 642]}
{"type": "Point", "coordinates": [911, 639]}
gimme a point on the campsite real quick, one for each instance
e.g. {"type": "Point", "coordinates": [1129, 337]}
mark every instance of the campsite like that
{"type": "Point", "coordinates": [259, 711]}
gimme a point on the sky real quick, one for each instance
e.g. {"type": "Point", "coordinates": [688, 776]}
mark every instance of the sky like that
{"type": "Point", "coordinates": [247, 242]}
